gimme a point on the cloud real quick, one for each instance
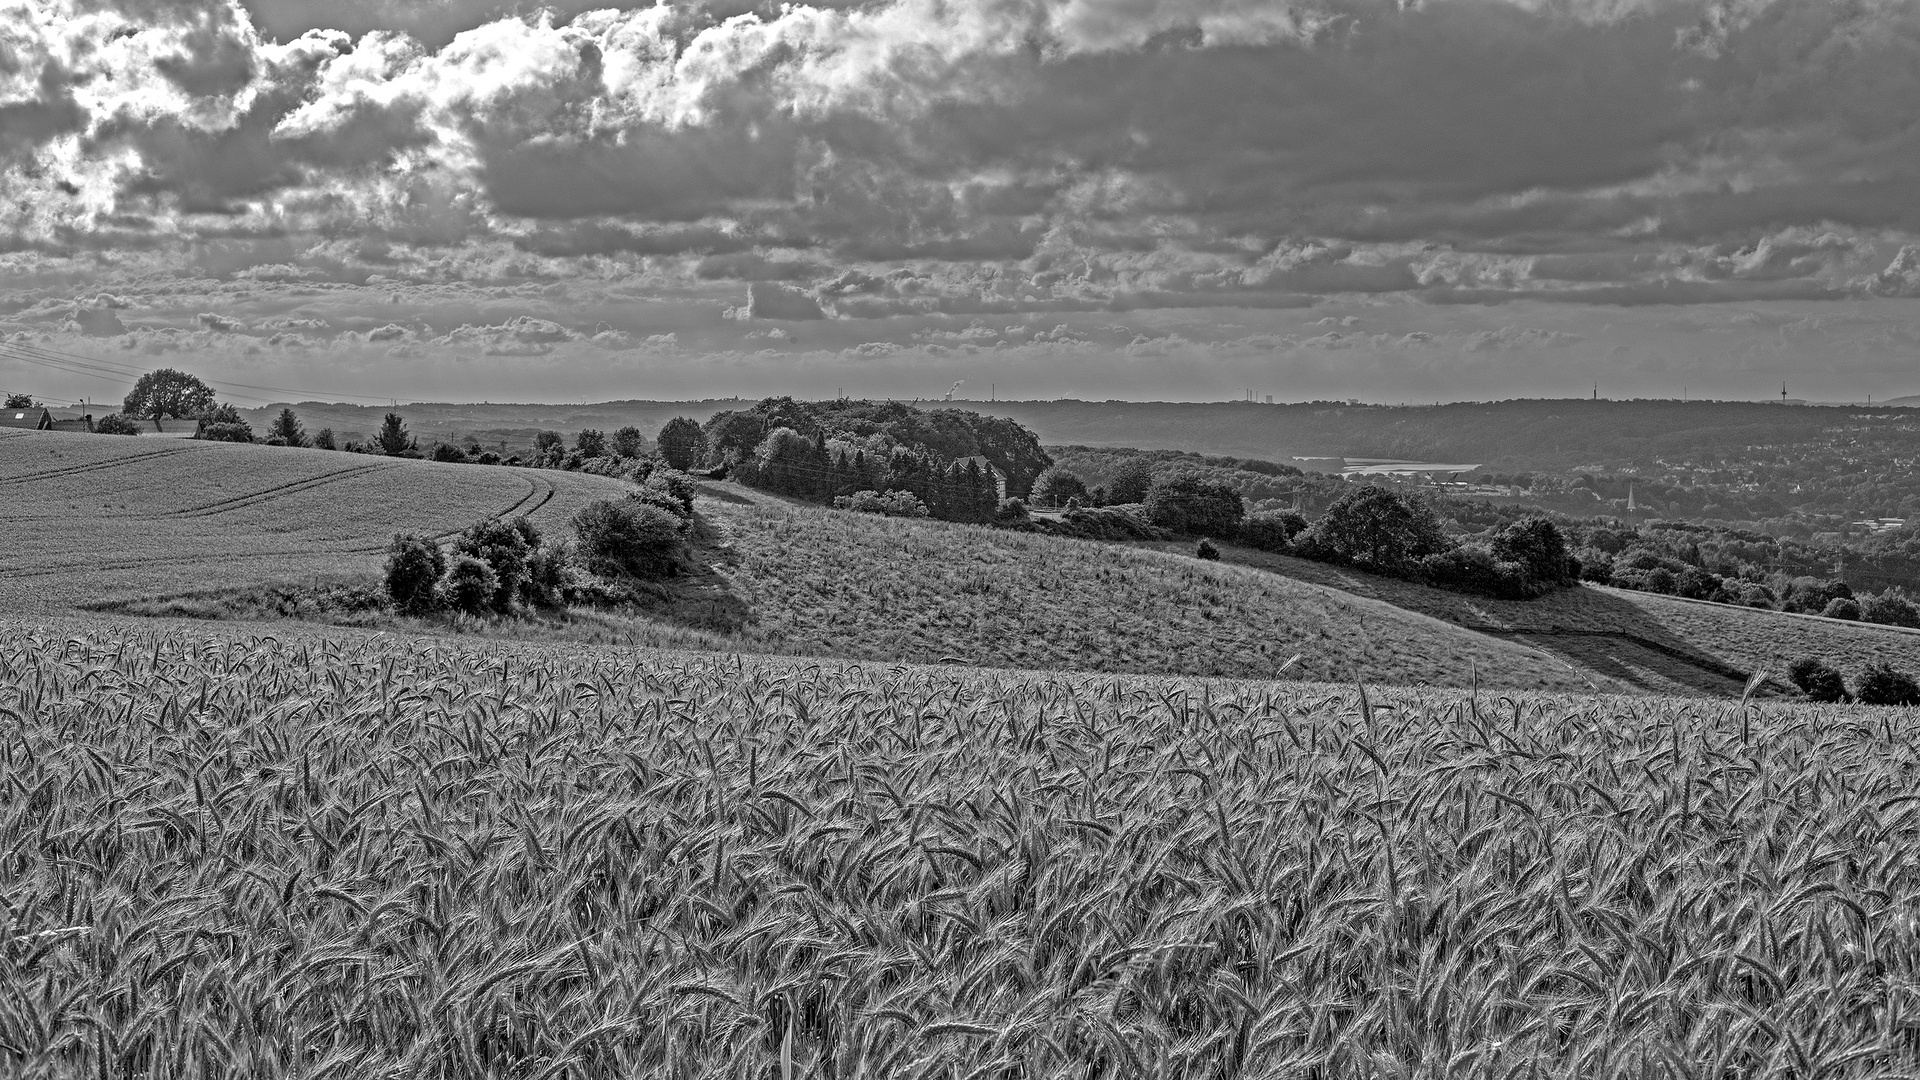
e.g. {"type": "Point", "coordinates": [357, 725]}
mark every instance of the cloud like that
{"type": "Point", "coordinates": [771, 301]}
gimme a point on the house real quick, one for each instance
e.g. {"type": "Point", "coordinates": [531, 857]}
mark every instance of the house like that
{"type": "Point", "coordinates": [39, 418]}
{"type": "Point", "coordinates": [999, 478]}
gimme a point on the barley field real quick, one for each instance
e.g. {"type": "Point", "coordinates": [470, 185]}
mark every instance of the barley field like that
{"type": "Point", "coordinates": [225, 854]}
{"type": "Point", "coordinates": [94, 517]}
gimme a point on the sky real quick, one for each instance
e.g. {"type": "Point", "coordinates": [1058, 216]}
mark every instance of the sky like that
{"type": "Point", "coordinates": [1394, 201]}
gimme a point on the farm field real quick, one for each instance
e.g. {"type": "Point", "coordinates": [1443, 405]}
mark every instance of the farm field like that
{"type": "Point", "coordinates": [95, 518]}
{"type": "Point", "coordinates": [304, 854]}
{"type": "Point", "coordinates": [807, 580]}
{"type": "Point", "coordinates": [1658, 643]}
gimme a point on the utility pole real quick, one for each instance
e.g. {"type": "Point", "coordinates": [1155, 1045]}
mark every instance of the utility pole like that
{"type": "Point", "coordinates": [1783, 392]}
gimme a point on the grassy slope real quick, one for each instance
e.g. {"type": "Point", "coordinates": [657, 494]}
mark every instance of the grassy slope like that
{"type": "Point", "coordinates": [94, 517]}
{"type": "Point", "coordinates": [823, 582]}
{"type": "Point", "coordinates": [1615, 632]}
{"type": "Point", "coordinates": [453, 859]}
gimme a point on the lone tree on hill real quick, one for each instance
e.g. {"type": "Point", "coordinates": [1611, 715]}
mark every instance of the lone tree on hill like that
{"type": "Point", "coordinates": [393, 439]}
{"type": "Point", "coordinates": [286, 427]}
{"type": "Point", "coordinates": [682, 443]}
{"type": "Point", "coordinates": [168, 393]}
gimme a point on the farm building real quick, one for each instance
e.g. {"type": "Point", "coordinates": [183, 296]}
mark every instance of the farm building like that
{"type": "Point", "coordinates": [999, 478]}
{"type": "Point", "coordinates": [40, 418]}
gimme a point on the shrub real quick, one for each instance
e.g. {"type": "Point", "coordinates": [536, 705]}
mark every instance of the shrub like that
{"type": "Point", "coordinates": [1186, 503]}
{"type": "Point", "coordinates": [546, 579]}
{"type": "Point", "coordinates": [1697, 584]}
{"type": "Point", "coordinates": [226, 432]}
{"type": "Point", "coordinates": [1842, 607]}
{"type": "Point", "coordinates": [323, 439]}
{"type": "Point", "coordinates": [1817, 680]}
{"type": "Point", "coordinates": [443, 451]}
{"type": "Point", "coordinates": [672, 489]}
{"type": "Point", "coordinates": [1881, 685]}
{"type": "Point", "coordinates": [487, 457]}
{"type": "Point", "coordinates": [116, 424]}
{"type": "Point", "coordinates": [891, 504]}
{"type": "Point", "coordinates": [591, 442]}
{"type": "Point", "coordinates": [469, 586]}
{"type": "Point", "coordinates": [503, 545]}
{"type": "Point", "coordinates": [628, 442]}
{"type": "Point", "coordinates": [1129, 483]}
{"type": "Point", "coordinates": [1272, 530]}
{"type": "Point", "coordinates": [1890, 609]}
{"type": "Point", "coordinates": [1012, 512]}
{"type": "Point", "coordinates": [1206, 551]}
{"type": "Point", "coordinates": [414, 565]}
{"type": "Point", "coordinates": [1536, 544]}
{"type": "Point", "coordinates": [1596, 566]}
{"type": "Point", "coordinates": [628, 537]}
{"type": "Point", "coordinates": [1811, 595]}
{"type": "Point", "coordinates": [682, 443]}
{"type": "Point", "coordinates": [548, 443]}
{"type": "Point", "coordinates": [1055, 486]}
{"type": "Point", "coordinates": [1476, 568]}
{"type": "Point", "coordinates": [1377, 528]}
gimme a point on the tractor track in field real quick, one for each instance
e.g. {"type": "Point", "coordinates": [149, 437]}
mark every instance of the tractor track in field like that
{"type": "Point", "coordinates": [97, 466]}
{"type": "Point", "coordinates": [292, 487]}
{"type": "Point", "coordinates": [540, 492]}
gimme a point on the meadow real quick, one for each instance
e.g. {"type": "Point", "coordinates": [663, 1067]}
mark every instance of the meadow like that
{"type": "Point", "coordinates": [96, 518]}
{"type": "Point", "coordinates": [821, 582]}
{"type": "Point", "coordinates": [1660, 644]}
{"type": "Point", "coordinates": [304, 855]}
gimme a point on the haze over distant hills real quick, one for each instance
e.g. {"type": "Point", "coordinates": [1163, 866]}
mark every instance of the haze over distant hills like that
{"type": "Point", "coordinates": [1517, 434]}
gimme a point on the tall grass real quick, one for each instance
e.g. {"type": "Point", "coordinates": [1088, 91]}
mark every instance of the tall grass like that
{"type": "Point", "coordinates": [231, 856]}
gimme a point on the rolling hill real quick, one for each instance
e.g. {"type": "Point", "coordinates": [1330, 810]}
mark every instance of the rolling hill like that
{"type": "Point", "coordinates": [95, 517]}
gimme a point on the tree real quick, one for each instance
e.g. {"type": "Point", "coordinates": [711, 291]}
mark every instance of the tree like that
{"type": "Point", "coordinates": [591, 442]}
{"type": "Point", "coordinates": [1056, 485]}
{"type": "Point", "coordinates": [1536, 544]}
{"type": "Point", "coordinates": [1186, 503]}
{"type": "Point", "coordinates": [286, 427]}
{"type": "Point", "coordinates": [469, 586]}
{"type": "Point", "coordinates": [1130, 481]}
{"type": "Point", "coordinates": [20, 401]}
{"type": "Point", "coordinates": [629, 538]}
{"type": "Point", "coordinates": [169, 394]}
{"type": "Point", "coordinates": [628, 442]}
{"type": "Point", "coordinates": [393, 439]}
{"type": "Point", "coordinates": [116, 424]}
{"type": "Point", "coordinates": [1379, 528]}
{"type": "Point", "coordinates": [682, 443]}
{"type": "Point", "coordinates": [504, 547]}
{"type": "Point", "coordinates": [323, 439]}
{"type": "Point", "coordinates": [546, 441]}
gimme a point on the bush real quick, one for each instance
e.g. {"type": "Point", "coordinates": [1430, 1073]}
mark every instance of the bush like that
{"type": "Point", "coordinates": [1012, 512]}
{"type": "Point", "coordinates": [672, 489]}
{"type": "Point", "coordinates": [239, 432]}
{"type": "Point", "coordinates": [1817, 680]}
{"type": "Point", "coordinates": [470, 585]}
{"type": "Point", "coordinates": [323, 439]}
{"type": "Point", "coordinates": [1881, 685]}
{"type": "Point", "coordinates": [628, 537]}
{"type": "Point", "coordinates": [503, 546]}
{"type": "Point", "coordinates": [448, 452]}
{"type": "Point", "coordinates": [1272, 530]}
{"type": "Point", "coordinates": [1842, 607]}
{"type": "Point", "coordinates": [1536, 544]}
{"type": "Point", "coordinates": [116, 424]}
{"type": "Point", "coordinates": [547, 575]}
{"type": "Point", "coordinates": [487, 457]}
{"type": "Point", "coordinates": [1890, 609]}
{"type": "Point", "coordinates": [414, 566]}
{"type": "Point", "coordinates": [1206, 551]}
{"type": "Point", "coordinates": [1186, 503]}
{"type": "Point", "coordinates": [1474, 568]}
{"type": "Point", "coordinates": [1376, 528]}
{"type": "Point", "coordinates": [892, 504]}
{"type": "Point", "coordinates": [1055, 486]}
